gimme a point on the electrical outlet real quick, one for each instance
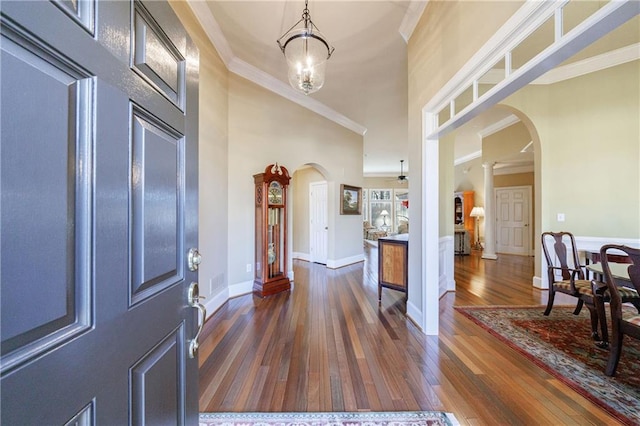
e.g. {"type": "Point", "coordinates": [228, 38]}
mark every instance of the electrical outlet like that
{"type": "Point", "coordinates": [248, 267]}
{"type": "Point", "coordinates": [560, 217]}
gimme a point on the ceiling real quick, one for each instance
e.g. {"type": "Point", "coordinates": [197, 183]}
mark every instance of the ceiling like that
{"type": "Point", "coordinates": [366, 78]}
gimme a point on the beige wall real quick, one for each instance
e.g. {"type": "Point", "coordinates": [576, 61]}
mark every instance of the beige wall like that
{"type": "Point", "coordinates": [589, 130]}
{"type": "Point", "coordinates": [505, 145]}
{"type": "Point", "coordinates": [212, 157]}
{"type": "Point", "coordinates": [265, 128]}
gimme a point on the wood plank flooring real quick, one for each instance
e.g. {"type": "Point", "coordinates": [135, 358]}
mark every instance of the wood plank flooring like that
{"type": "Point", "coordinates": [328, 346]}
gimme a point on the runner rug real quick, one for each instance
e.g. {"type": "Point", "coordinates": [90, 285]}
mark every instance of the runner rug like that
{"type": "Point", "coordinates": [383, 418]}
{"type": "Point", "coordinates": [561, 344]}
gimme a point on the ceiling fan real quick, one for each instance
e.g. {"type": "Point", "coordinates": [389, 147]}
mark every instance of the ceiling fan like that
{"type": "Point", "coordinates": [402, 178]}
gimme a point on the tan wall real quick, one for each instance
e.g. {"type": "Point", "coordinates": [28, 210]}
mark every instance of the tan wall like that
{"type": "Point", "coordinates": [589, 129]}
{"type": "Point", "coordinates": [515, 179]}
{"type": "Point", "coordinates": [505, 145]}
{"type": "Point", "coordinates": [265, 128]}
{"type": "Point", "coordinates": [212, 157]}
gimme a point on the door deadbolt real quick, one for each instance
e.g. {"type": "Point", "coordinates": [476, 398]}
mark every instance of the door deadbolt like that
{"type": "Point", "coordinates": [194, 259]}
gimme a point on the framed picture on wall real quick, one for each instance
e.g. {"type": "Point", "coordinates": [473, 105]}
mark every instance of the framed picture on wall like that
{"type": "Point", "coordinates": [351, 202]}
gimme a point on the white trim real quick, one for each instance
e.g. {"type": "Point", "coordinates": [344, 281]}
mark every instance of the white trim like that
{"type": "Point", "coordinates": [431, 227]}
{"type": "Point", "coordinates": [594, 243]}
{"type": "Point", "coordinates": [339, 263]}
{"type": "Point", "coordinates": [468, 157]}
{"type": "Point", "coordinates": [301, 256]}
{"type": "Point", "coordinates": [243, 69]}
{"type": "Point", "coordinates": [538, 283]}
{"type": "Point", "coordinates": [411, 18]}
{"type": "Point", "coordinates": [575, 69]}
{"type": "Point", "coordinates": [415, 314]}
{"type": "Point", "coordinates": [509, 170]}
{"type": "Point", "coordinates": [215, 302]}
{"type": "Point", "coordinates": [263, 79]}
{"type": "Point", "coordinates": [212, 29]}
{"type": "Point", "coordinates": [590, 65]}
{"type": "Point", "coordinates": [499, 125]}
{"type": "Point", "coordinates": [239, 289]}
{"type": "Point", "coordinates": [447, 275]}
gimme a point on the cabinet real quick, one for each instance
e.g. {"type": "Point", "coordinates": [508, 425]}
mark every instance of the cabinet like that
{"type": "Point", "coordinates": [463, 203]}
{"type": "Point", "coordinates": [393, 263]}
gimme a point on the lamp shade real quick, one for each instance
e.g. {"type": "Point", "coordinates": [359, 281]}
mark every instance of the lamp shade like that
{"type": "Point", "coordinates": [384, 213]}
{"type": "Point", "coordinates": [477, 211]}
{"type": "Point", "coordinates": [306, 51]}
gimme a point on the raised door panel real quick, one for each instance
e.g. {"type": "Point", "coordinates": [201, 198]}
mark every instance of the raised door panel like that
{"type": "Point", "coordinates": [46, 125]}
{"type": "Point", "coordinates": [157, 201]}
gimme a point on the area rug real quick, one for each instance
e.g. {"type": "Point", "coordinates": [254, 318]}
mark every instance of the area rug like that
{"type": "Point", "coordinates": [382, 418]}
{"type": "Point", "coordinates": [561, 344]}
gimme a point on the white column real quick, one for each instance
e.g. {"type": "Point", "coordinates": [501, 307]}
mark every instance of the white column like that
{"type": "Point", "coordinates": [489, 214]}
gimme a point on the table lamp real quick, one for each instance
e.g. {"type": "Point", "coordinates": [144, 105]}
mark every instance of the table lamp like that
{"type": "Point", "coordinates": [477, 212]}
{"type": "Point", "coordinates": [384, 215]}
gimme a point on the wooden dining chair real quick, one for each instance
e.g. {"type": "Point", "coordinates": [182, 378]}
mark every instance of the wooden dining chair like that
{"type": "Point", "coordinates": [566, 275]}
{"type": "Point", "coordinates": [619, 291]}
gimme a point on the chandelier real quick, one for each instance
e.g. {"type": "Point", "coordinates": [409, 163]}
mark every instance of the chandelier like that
{"type": "Point", "coordinates": [306, 51]}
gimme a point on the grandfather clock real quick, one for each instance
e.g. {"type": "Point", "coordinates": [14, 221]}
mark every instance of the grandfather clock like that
{"type": "Point", "coordinates": [271, 231]}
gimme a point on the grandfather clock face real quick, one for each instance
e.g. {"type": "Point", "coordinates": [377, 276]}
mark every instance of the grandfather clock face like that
{"type": "Point", "coordinates": [275, 193]}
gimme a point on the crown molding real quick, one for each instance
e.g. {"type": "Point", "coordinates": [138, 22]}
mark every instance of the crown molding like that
{"type": "Point", "coordinates": [499, 125]}
{"type": "Point", "coordinates": [411, 18]}
{"type": "Point", "coordinates": [259, 77]}
{"type": "Point", "coordinates": [468, 157]}
{"type": "Point", "coordinates": [212, 29]}
{"type": "Point", "coordinates": [266, 80]}
{"type": "Point", "coordinates": [510, 170]}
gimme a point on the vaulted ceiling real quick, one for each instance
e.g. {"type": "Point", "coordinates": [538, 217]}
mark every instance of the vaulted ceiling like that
{"type": "Point", "coordinates": [366, 78]}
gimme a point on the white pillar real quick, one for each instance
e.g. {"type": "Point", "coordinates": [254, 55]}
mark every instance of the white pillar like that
{"type": "Point", "coordinates": [489, 214]}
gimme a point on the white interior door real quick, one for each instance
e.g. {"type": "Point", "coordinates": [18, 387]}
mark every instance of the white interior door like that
{"type": "Point", "coordinates": [318, 224]}
{"type": "Point", "coordinates": [513, 213]}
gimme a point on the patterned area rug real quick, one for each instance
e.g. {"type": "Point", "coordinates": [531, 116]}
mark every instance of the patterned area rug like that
{"type": "Point", "coordinates": [561, 345]}
{"type": "Point", "coordinates": [403, 418]}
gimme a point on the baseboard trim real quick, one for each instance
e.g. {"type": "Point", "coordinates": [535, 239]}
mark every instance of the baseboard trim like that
{"type": "Point", "coordinates": [339, 263]}
{"type": "Point", "coordinates": [538, 283]}
{"type": "Point", "coordinates": [216, 302]}
{"type": "Point", "coordinates": [414, 314]}
{"type": "Point", "coordinates": [240, 288]}
{"type": "Point", "coordinates": [301, 256]}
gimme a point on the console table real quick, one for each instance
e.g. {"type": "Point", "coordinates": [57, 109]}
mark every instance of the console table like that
{"type": "Point", "coordinates": [393, 263]}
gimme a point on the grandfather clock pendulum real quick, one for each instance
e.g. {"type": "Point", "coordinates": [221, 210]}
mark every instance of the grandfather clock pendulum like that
{"type": "Point", "coordinates": [271, 231]}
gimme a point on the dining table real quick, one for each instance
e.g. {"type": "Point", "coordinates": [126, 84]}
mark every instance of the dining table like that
{"type": "Point", "coordinates": [620, 274]}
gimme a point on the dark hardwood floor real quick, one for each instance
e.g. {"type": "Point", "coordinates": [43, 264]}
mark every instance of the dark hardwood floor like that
{"type": "Point", "coordinates": [328, 346]}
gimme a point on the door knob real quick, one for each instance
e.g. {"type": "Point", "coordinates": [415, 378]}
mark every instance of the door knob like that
{"type": "Point", "coordinates": [193, 298]}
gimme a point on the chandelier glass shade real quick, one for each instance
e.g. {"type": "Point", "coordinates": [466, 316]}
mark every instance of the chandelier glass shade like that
{"type": "Point", "coordinates": [306, 51]}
